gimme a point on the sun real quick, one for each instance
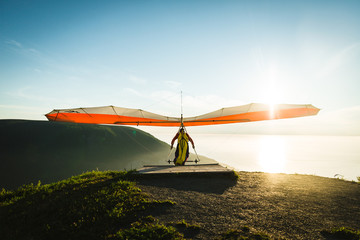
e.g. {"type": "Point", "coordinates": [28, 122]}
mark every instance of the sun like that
{"type": "Point", "coordinates": [272, 155]}
{"type": "Point", "coordinates": [272, 94]}
{"type": "Point", "coordinates": [271, 90]}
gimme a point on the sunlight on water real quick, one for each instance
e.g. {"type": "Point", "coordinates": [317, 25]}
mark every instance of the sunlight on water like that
{"type": "Point", "coordinates": [271, 154]}
{"type": "Point", "coordinates": [327, 156]}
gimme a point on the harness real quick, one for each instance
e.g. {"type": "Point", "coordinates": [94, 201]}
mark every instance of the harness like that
{"type": "Point", "coordinates": [183, 148]}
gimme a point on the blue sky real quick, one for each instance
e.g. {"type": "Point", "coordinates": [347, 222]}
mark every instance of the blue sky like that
{"type": "Point", "coordinates": [141, 54]}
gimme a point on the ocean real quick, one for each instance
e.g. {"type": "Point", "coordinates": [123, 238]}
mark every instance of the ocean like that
{"type": "Point", "coordinates": [328, 156]}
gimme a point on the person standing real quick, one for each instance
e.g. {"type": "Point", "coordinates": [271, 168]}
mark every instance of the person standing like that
{"type": "Point", "coordinates": [182, 148]}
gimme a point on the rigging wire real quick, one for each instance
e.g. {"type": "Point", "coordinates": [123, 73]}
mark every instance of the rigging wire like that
{"type": "Point", "coordinates": [181, 124]}
{"type": "Point", "coordinates": [181, 103]}
{"type": "Point", "coordinates": [223, 141]}
{"type": "Point", "coordinates": [165, 99]}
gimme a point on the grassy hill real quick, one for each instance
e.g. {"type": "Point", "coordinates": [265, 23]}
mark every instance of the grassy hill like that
{"type": "Point", "coordinates": [51, 151]}
{"type": "Point", "coordinates": [94, 205]}
{"type": "Point", "coordinates": [119, 205]}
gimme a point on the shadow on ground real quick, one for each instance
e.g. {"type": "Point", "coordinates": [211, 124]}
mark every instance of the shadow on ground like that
{"type": "Point", "coordinates": [216, 183]}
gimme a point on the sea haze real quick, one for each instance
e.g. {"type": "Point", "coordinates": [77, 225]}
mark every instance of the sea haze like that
{"type": "Point", "coordinates": [328, 156]}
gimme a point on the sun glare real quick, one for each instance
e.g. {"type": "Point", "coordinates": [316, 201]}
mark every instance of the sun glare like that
{"type": "Point", "coordinates": [273, 94]}
{"type": "Point", "coordinates": [272, 156]}
{"type": "Point", "coordinates": [272, 90]}
{"type": "Point", "coordinates": [272, 110]}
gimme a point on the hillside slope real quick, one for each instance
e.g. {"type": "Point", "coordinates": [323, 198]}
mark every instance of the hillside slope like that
{"type": "Point", "coordinates": [284, 206]}
{"type": "Point", "coordinates": [117, 205]}
{"type": "Point", "coordinates": [50, 151]}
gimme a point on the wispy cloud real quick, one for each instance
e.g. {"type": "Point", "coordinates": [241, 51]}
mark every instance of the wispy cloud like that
{"type": "Point", "coordinates": [37, 70]}
{"type": "Point", "coordinates": [258, 58]}
{"type": "Point", "coordinates": [137, 80]}
{"type": "Point", "coordinates": [344, 116]}
{"type": "Point", "coordinates": [338, 60]}
{"type": "Point", "coordinates": [21, 49]}
{"type": "Point", "coordinates": [13, 111]}
{"type": "Point", "coordinates": [132, 91]}
{"type": "Point", "coordinates": [13, 43]}
{"type": "Point", "coordinates": [172, 84]}
{"type": "Point", "coordinates": [28, 94]}
{"type": "Point", "coordinates": [17, 107]}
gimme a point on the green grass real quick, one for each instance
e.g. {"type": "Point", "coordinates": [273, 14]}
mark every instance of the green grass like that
{"type": "Point", "coordinates": [188, 230]}
{"type": "Point", "coordinates": [93, 205]}
{"type": "Point", "coordinates": [244, 233]}
{"type": "Point", "coordinates": [102, 205]}
{"type": "Point", "coordinates": [235, 175]}
{"type": "Point", "coordinates": [341, 233]}
{"type": "Point", "coordinates": [148, 228]}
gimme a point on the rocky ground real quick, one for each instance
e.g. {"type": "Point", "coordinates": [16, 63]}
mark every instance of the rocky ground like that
{"type": "Point", "coordinates": [280, 205]}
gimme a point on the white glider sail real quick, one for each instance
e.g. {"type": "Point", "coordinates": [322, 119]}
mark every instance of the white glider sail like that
{"type": "Point", "coordinates": [127, 116]}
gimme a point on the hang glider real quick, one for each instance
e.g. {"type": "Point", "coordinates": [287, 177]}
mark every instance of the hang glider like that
{"type": "Point", "coordinates": [127, 116]}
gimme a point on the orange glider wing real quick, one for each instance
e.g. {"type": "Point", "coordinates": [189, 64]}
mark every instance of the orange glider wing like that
{"type": "Point", "coordinates": [127, 116]}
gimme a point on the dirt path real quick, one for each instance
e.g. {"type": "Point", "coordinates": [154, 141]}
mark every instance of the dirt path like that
{"type": "Point", "coordinates": [281, 205]}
